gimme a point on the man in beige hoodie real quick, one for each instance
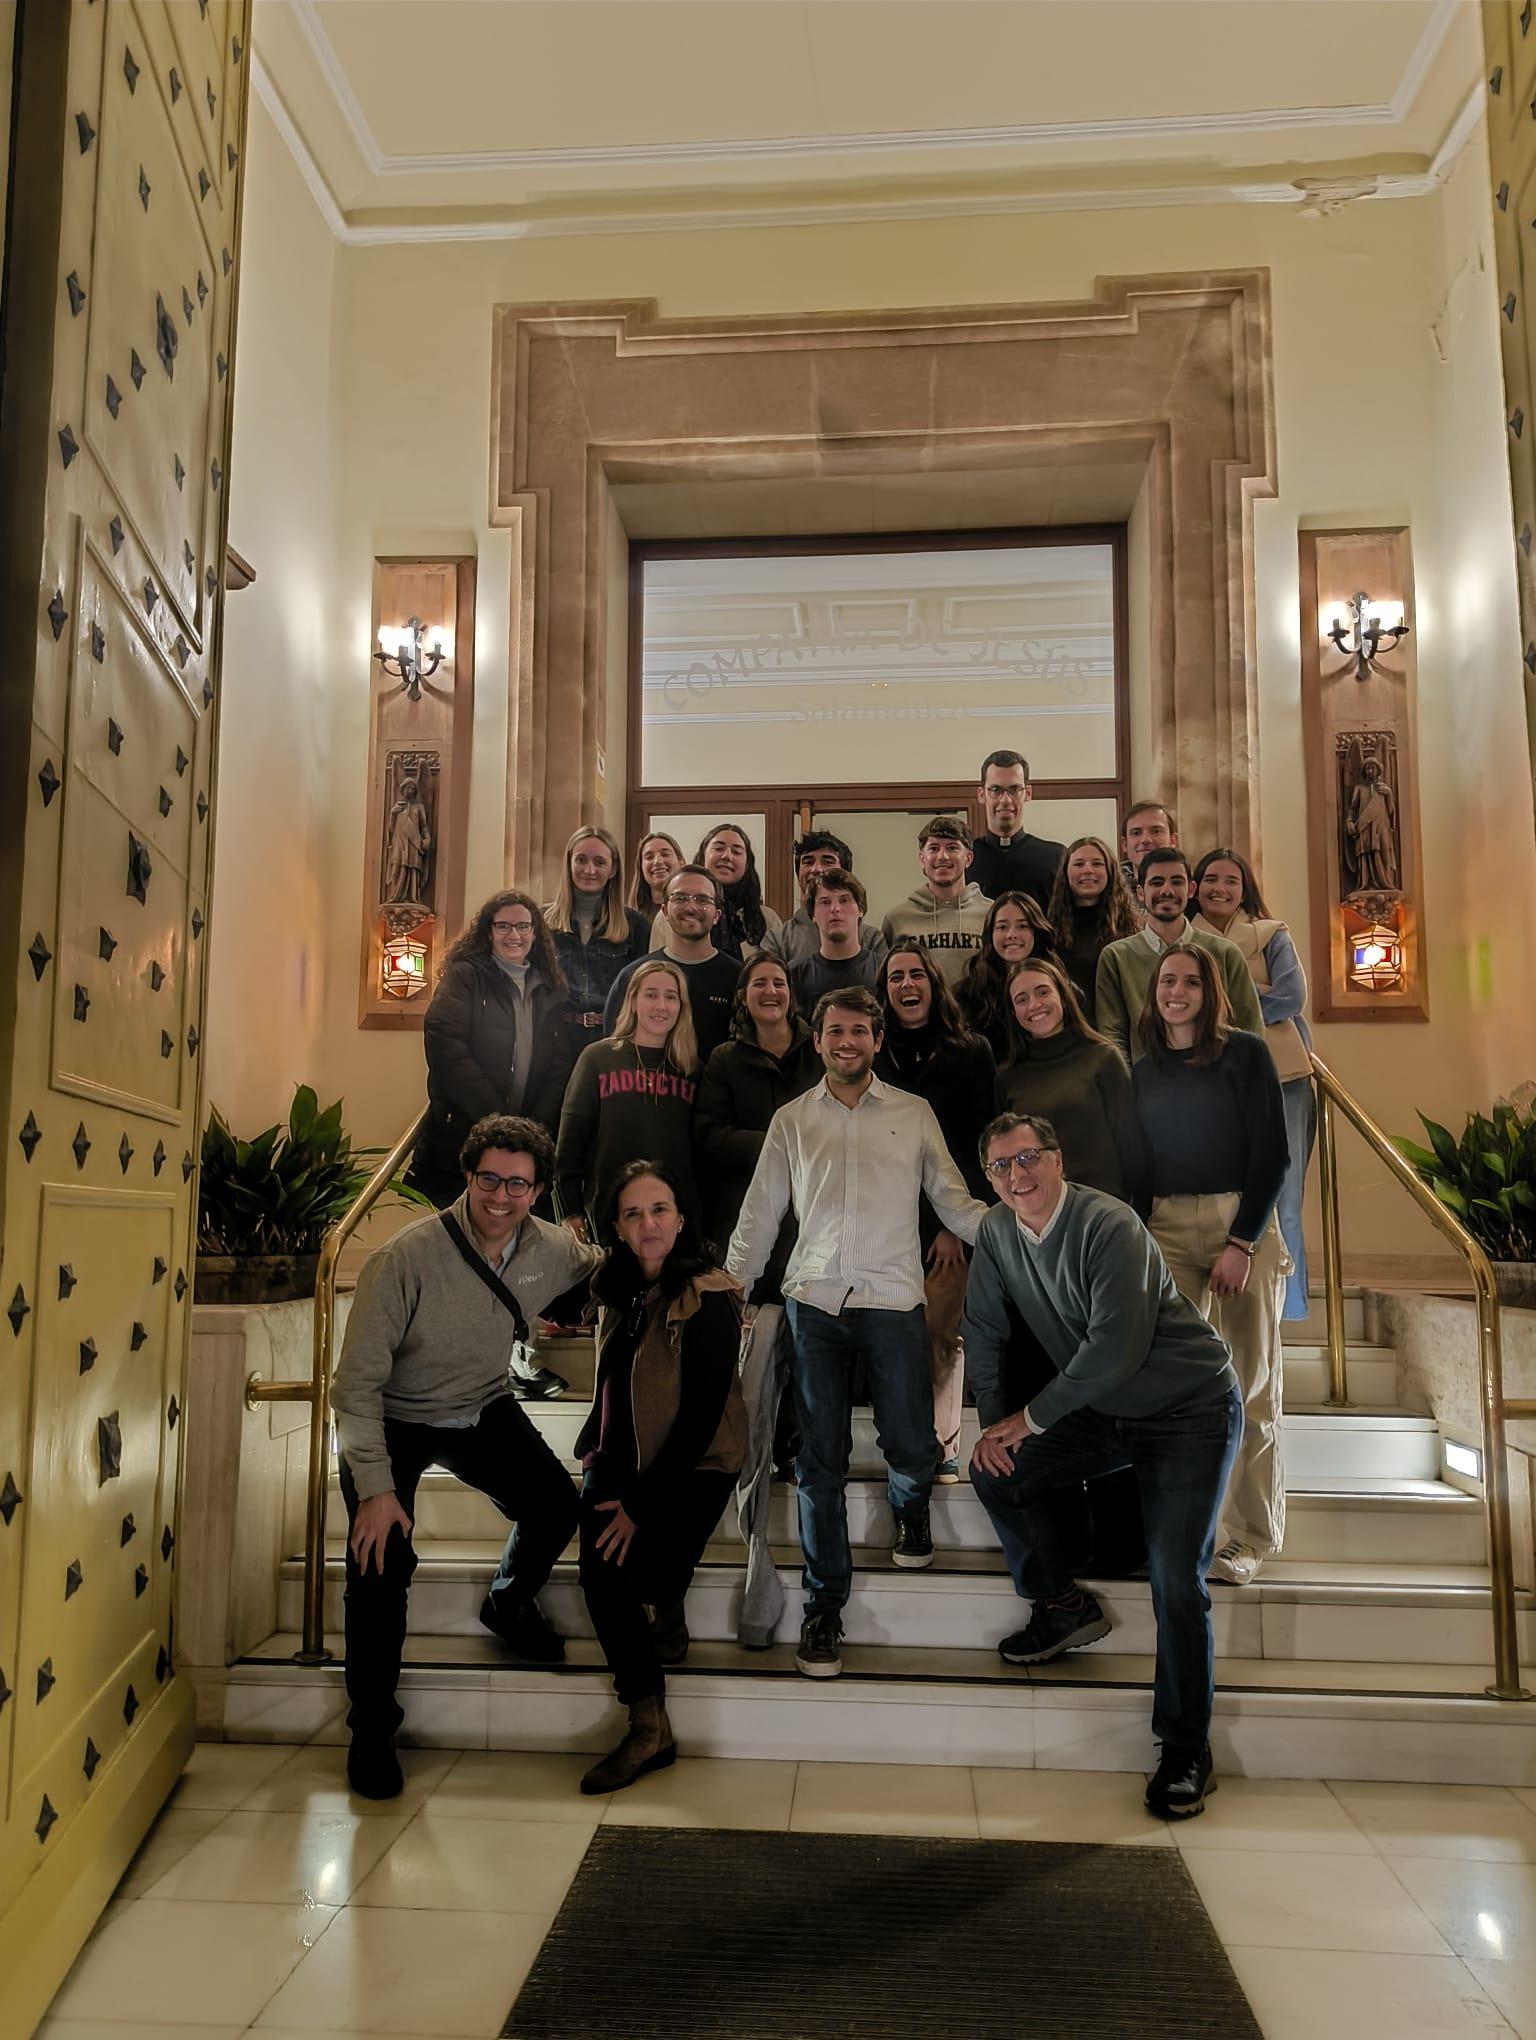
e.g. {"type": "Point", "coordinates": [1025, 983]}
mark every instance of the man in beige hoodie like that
{"type": "Point", "coordinates": [945, 915]}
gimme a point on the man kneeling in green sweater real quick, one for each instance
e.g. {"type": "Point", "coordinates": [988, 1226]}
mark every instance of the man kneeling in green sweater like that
{"type": "Point", "coordinates": [1142, 1381]}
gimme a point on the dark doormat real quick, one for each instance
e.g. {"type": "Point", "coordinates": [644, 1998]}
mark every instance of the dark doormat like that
{"type": "Point", "coordinates": [682, 1934]}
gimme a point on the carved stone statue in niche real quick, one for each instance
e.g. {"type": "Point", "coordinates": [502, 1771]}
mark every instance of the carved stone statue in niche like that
{"type": "Point", "coordinates": [1370, 833]}
{"type": "Point", "coordinates": [410, 801]}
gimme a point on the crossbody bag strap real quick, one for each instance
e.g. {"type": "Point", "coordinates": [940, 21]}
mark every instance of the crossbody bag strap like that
{"type": "Point", "coordinates": [493, 1282]}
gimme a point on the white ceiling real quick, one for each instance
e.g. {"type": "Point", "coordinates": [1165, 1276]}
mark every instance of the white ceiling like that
{"type": "Point", "coordinates": [424, 119]}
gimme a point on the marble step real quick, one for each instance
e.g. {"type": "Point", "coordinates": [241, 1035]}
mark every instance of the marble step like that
{"type": "Point", "coordinates": [1273, 1719]}
{"type": "Point", "coordinates": [1429, 1614]}
{"type": "Point", "coordinates": [1400, 1522]}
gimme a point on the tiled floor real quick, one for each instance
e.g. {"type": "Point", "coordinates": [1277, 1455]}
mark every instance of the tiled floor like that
{"type": "Point", "coordinates": [269, 1901]}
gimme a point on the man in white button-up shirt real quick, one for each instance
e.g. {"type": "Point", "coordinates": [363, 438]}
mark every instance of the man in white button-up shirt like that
{"type": "Point", "coordinates": [852, 1158]}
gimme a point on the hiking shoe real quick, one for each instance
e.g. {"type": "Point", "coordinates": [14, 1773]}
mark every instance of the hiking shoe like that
{"type": "Point", "coordinates": [1237, 1564]}
{"type": "Point", "coordinates": [373, 1769]}
{"type": "Point", "coordinates": [537, 1384]}
{"type": "Point", "coordinates": [817, 1654]}
{"type": "Point", "coordinates": [1050, 1631]}
{"type": "Point", "coordinates": [669, 1633]}
{"type": "Point", "coordinates": [948, 1474]}
{"type": "Point", "coordinates": [520, 1625]}
{"type": "Point", "coordinates": [1181, 1782]}
{"type": "Point", "coordinates": [914, 1540]}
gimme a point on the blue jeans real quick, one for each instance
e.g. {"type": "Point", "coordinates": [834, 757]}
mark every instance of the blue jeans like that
{"type": "Point", "coordinates": [893, 1344]}
{"type": "Point", "coordinates": [1181, 1458]}
{"type": "Point", "coordinates": [1300, 1131]}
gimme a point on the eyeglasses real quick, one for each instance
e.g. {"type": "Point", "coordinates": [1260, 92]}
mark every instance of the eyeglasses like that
{"type": "Point", "coordinates": [1026, 1158]}
{"type": "Point", "coordinates": [690, 899]}
{"type": "Point", "coordinates": [490, 1183]}
{"type": "Point", "coordinates": [511, 927]}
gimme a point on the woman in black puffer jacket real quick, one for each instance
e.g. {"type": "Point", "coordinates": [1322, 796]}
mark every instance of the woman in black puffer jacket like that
{"type": "Point", "coordinates": [496, 1037]}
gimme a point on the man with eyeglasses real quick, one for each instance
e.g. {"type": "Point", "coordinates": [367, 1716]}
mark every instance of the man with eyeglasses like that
{"type": "Point", "coordinates": [691, 904]}
{"type": "Point", "coordinates": [1141, 1381]}
{"type": "Point", "coordinates": [423, 1381]}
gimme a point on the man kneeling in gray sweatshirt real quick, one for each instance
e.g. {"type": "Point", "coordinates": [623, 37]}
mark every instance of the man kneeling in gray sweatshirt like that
{"type": "Point", "coordinates": [423, 1381]}
{"type": "Point", "coordinates": [1142, 1381]}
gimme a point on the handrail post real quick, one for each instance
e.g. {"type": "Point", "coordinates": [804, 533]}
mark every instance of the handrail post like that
{"type": "Point", "coordinates": [1333, 1258]}
{"type": "Point", "coordinates": [1501, 1551]}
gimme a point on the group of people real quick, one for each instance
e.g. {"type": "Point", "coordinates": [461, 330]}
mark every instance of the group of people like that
{"type": "Point", "coordinates": [767, 1151]}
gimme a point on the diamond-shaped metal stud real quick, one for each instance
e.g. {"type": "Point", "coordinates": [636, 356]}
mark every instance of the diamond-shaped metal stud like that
{"type": "Point", "coordinates": [1530, 658]}
{"type": "Point", "coordinates": [156, 975]}
{"type": "Point", "coordinates": [212, 97]}
{"type": "Point", "coordinates": [45, 1679]}
{"type": "Point", "coordinates": [81, 1144]}
{"type": "Point", "coordinates": [227, 259]}
{"type": "Point", "coordinates": [210, 581]}
{"type": "Point", "coordinates": [106, 943]}
{"type": "Point", "coordinates": [159, 1269]}
{"type": "Point", "coordinates": [140, 1580]}
{"type": "Point", "coordinates": [1517, 421]}
{"type": "Point", "coordinates": [172, 1412]}
{"type": "Point", "coordinates": [198, 923]}
{"type": "Point", "coordinates": [87, 1355]}
{"type": "Point", "coordinates": [76, 295]}
{"type": "Point", "coordinates": [150, 597]}
{"type": "Point", "coordinates": [179, 472]}
{"type": "Point", "coordinates": [31, 1133]}
{"type": "Point", "coordinates": [1508, 308]}
{"type": "Point", "coordinates": [45, 1819]}
{"type": "Point", "coordinates": [114, 397]}
{"type": "Point", "coordinates": [167, 1046]}
{"type": "Point", "coordinates": [187, 1165]}
{"type": "Point", "coordinates": [207, 700]}
{"type": "Point", "coordinates": [140, 869]}
{"type": "Point", "coordinates": [182, 761]}
{"type": "Point", "coordinates": [68, 445]}
{"type": "Point", "coordinates": [166, 340]}
{"type": "Point", "coordinates": [124, 1154]}
{"type": "Point", "coordinates": [202, 799]}
{"type": "Point", "coordinates": [39, 955]}
{"type": "Point", "coordinates": [136, 369]}
{"type": "Point", "coordinates": [85, 131]}
{"type": "Point", "coordinates": [74, 1579]}
{"type": "Point", "coordinates": [128, 1532]}
{"type": "Point", "coordinates": [1495, 79]}
{"type": "Point", "coordinates": [49, 781]}
{"type": "Point", "coordinates": [202, 288]}
{"type": "Point", "coordinates": [1525, 540]}
{"type": "Point", "coordinates": [10, 1500]}
{"type": "Point", "coordinates": [180, 1284]}
{"type": "Point", "coordinates": [221, 367]}
{"type": "Point", "coordinates": [1501, 198]}
{"type": "Point", "coordinates": [57, 614]}
{"type": "Point", "coordinates": [203, 184]}
{"type": "Point", "coordinates": [18, 1310]}
{"type": "Point", "coordinates": [157, 1159]}
{"type": "Point", "coordinates": [82, 1002]}
{"type": "Point", "coordinates": [114, 737]}
{"type": "Point", "coordinates": [186, 305]}
{"type": "Point", "coordinates": [162, 1665]}
{"type": "Point", "coordinates": [216, 473]}
{"type": "Point", "coordinates": [5, 1691]}
{"type": "Point", "coordinates": [192, 1040]}
{"type": "Point", "coordinates": [69, 1281]}
{"type": "Point", "coordinates": [231, 154]}
{"type": "Point", "coordinates": [130, 69]}
{"type": "Point", "coordinates": [145, 187]}
{"type": "Point", "coordinates": [92, 1759]}
{"type": "Point", "coordinates": [163, 801]}
{"type": "Point", "coordinates": [234, 49]}
{"type": "Point", "coordinates": [183, 651]}
{"type": "Point", "coordinates": [175, 84]}
{"type": "Point", "coordinates": [167, 1542]}
{"type": "Point", "coordinates": [130, 1706]}
{"type": "Point", "coordinates": [109, 1449]}
{"type": "Point", "coordinates": [137, 1337]}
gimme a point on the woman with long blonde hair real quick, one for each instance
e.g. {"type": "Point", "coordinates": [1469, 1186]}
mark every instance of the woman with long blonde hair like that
{"type": "Point", "coordinates": [594, 933]}
{"type": "Point", "coordinates": [630, 1095]}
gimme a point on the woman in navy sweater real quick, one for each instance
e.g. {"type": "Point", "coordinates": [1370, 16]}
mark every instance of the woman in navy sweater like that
{"type": "Point", "coordinates": [1213, 1119]}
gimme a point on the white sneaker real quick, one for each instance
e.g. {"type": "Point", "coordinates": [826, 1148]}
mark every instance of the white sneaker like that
{"type": "Point", "coordinates": [1237, 1564]}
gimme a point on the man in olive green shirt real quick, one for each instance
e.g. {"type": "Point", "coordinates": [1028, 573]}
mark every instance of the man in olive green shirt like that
{"type": "Point", "coordinates": [1127, 967]}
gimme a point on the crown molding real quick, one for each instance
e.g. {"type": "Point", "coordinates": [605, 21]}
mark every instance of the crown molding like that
{"type": "Point", "coordinates": [1271, 120]}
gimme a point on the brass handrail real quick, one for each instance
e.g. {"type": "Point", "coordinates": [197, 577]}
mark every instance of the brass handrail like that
{"type": "Point", "coordinates": [1495, 1406]}
{"type": "Point", "coordinates": [317, 1390]}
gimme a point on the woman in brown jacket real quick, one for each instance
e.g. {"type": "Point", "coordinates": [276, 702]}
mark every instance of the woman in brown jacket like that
{"type": "Point", "coordinates": [660, 1451]}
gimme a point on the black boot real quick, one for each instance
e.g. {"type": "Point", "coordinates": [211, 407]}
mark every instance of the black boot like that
{"type": "Point", "coordinates": [669, 1633]}
{"type": "Point", "coordinates": [647, 1747]}
{"type": "Point", "coordinates": [373, 1769]}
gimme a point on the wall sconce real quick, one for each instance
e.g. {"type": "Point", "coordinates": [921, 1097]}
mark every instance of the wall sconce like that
{"type": "Point", "coordinates": [1360, 627]}
{"type": "Point", "coordinates": [403, 967]}
{"type": "Point", "coordinates": [1376, 958]}
{"type": "Point", "coordinates": [411, 654]}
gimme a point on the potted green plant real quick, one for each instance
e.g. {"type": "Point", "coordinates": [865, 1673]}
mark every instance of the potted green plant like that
{"type": "Point", "coordinates": [264, 1205]}
{"type": "Point", "coordinates": [1488, 1178]}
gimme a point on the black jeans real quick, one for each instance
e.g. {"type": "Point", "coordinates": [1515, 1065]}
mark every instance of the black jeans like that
{"type": "Point", "coordinates": [505, 1457]}
{"type": "Point", "coordinates": [657, 1572]}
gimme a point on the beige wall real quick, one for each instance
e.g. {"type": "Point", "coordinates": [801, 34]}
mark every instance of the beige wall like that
{"type": "Point", "coordinates": [1374, 426]}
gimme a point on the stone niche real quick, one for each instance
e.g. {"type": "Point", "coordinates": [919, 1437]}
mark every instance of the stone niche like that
{"type": "Point", "coordinates": [1172, 372]}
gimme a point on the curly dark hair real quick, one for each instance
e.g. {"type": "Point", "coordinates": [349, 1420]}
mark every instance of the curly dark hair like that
{"type": "Point", "coordinates": [982, 993]}
{"type": "Point", "coordinates": [474, 945]}
{"type": "Point", "coordinates": [519, 1136]}
{"type": "Point", "coordinates": [619, 1280]}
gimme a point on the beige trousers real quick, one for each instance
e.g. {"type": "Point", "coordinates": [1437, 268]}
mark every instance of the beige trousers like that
{"type": "Point", "coordinates": [1192, 1232]}
{"type": "Point", "coordinates": [943, 1301]}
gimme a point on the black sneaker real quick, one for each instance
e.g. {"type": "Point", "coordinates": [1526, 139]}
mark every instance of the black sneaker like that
{"type": "Point", "coordinates": [373, 1769]}
{"type": "Point", "coordinates": [1181, 1782]}
{"type": "Point", "coordinates": [914, 1539]}
{"type": "Point", "coordinates": [817, 1654]}
{"type": "Point", "coordinates": [1050, 1631]}
{"type": "Point", "coordinates": [538, 1384]}
{"type": "Point", "coordinates": [521, 1626]}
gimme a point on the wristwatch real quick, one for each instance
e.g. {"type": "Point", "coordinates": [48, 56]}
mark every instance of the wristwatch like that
{"type": "Point", "coordinates": [1248, 1247]}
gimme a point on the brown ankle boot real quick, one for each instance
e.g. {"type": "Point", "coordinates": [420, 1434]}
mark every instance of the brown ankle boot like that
{"type": "Point", "coordinates": [647, 1747]}
{"type": "Point", "coordinates": [669, 1633]}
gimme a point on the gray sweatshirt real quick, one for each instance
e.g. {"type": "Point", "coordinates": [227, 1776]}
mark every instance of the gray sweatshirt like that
{"type": "Point", "coordinates": [427, 1342]}
{"type": "Point", "coordinates": [950, 930]}
{"type": "Point", "coordinates": [1097, 1294]}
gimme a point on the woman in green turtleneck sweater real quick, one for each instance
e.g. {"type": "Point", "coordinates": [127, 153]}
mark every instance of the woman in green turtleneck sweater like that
{"type": "Point", "coordinates": [1062, 1070]}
